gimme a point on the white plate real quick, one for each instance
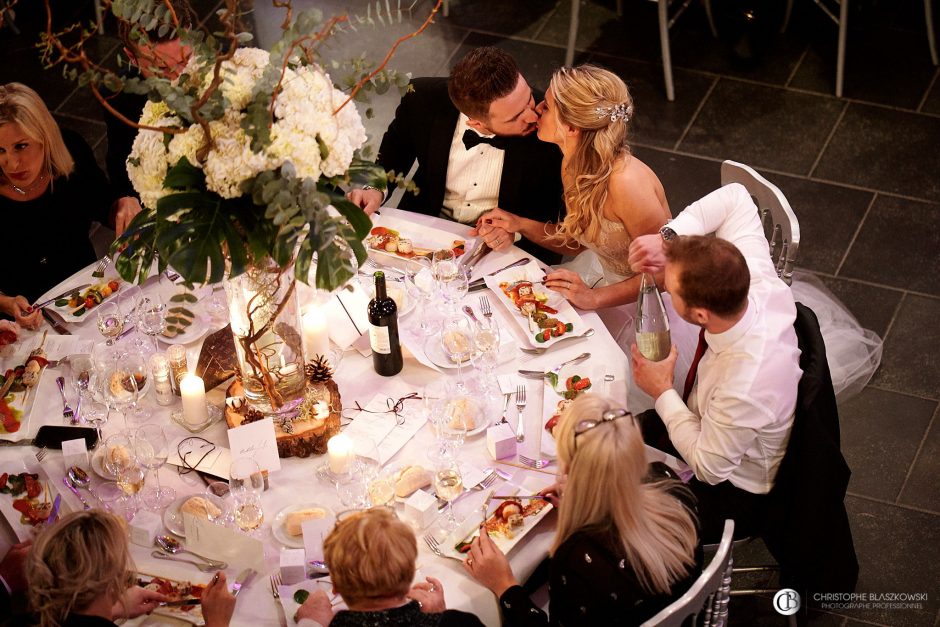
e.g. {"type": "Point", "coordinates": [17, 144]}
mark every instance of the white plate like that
{"type": "Point", "coordinates": [421, 236]}
{"type": "Point", "coordinates": [551, 397]}
{"type": "Point", "coordinates": [172, 517]}
{"type": "Point", "coordinates": [532, 272]}
{"type": "Point", "coordinates": [278, 527]}
{"type": "Point", "coordinates": [193, 332]}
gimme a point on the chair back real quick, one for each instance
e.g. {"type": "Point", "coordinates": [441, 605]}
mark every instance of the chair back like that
{"type": "Point", "coordinates": [781, 227]}
{"type": "Point", "coordinates": [707, 600]}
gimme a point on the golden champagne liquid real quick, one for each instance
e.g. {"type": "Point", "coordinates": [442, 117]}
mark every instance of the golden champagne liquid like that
{"type": "Point", "coordinates": [448, 484]}
{"type": "Point", "coordinates": [654, 346]}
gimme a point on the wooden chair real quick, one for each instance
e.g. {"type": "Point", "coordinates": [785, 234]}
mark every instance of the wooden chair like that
{"type": "Point", "coordinates": [780, 224]}
{"type": "Point", "coordinates": [707, 600]}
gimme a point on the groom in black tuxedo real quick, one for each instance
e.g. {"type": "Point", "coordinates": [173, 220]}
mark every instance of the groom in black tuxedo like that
{"type": "Point", "coordinates": [473, 136]}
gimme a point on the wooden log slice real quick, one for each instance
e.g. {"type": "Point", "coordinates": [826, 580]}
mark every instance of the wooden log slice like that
{"type": "Point", "coordinates": [309, 437]}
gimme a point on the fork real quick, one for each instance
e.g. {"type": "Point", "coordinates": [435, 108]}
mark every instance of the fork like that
{"type": "Point", "coordinates": [520, 405]}
{"type": "Point", "coordinates": [485, 307]}
{"type": "Point", "coordinates": [534, 463]}
{"type": "Point", "coordinates": [98, 272]}
{"type": "Point", "coordinates": [41, 454]}
{"type": "Point", "coordinates": [67, 412]}
{"type": "Point", "coordinates": [435, 547]}
{"type": "Point", "coordinates": [275, 582]}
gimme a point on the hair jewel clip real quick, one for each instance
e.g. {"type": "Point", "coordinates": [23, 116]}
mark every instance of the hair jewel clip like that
{"type": "Point", "coordinates": [620, 111]}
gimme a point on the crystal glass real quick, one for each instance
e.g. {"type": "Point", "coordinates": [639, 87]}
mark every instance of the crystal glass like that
{"type": "Point", "coordinates": [152, 448]}
{"type": "Point", "coordinates": [151, 314]}
{"type": "Point", "coordinates": [448, 484]}
{"type": "Point", "coordinates": [457, 343]}
{"type": "Point", "coordinates": [110, 320]}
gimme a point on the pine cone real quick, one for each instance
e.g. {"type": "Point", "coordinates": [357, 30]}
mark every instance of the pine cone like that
{"type": "Point", "coordinates": [318, 370]}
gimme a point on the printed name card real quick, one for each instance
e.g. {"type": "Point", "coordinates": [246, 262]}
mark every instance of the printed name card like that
{"type": "Point", "coordinates": [221, 543]}
{"type": "Point", "coordinates": [257, 441]}
{"type": "Point", "coordinates": [315, 531]}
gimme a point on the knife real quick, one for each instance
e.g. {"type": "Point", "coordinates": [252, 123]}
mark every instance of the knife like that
{"type": "Point", "coordinates": [56, 320]}
{"type": "Point", "coordinates": [242, 580]}
{"type": "Point", "coordinates": [538, 374]}
{"type": "Point", "coordinates": [181, 602]}
{"type": "Point", "coordinates": [62, 295]}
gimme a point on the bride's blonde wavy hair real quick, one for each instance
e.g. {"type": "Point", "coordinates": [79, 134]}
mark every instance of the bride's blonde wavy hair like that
{"type": "Point", "coordinates": [71, 564]}
{"type": "Point", "coordinates": [585, 96]}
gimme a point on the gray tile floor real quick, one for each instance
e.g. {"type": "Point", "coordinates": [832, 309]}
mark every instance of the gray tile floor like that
{"type": "Point", "coordinates": [862, 174]}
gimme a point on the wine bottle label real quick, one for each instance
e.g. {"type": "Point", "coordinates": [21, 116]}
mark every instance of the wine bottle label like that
{"type": "Point", "coordinates": [378, 338]}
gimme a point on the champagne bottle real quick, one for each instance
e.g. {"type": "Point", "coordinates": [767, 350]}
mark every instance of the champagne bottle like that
{"type": "Point", "coordinates": [383, 331]}
{"type": "Point", "coordinates": [652, 324]}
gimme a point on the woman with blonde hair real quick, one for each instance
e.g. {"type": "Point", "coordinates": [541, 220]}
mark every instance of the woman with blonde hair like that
{"type": "Point", "coordinates": [626, 545]}
{"type": "Point", "coordinates": [51, 191]}
{"type": "Point", "coordinates": [372, 556]}
{"type": "Point", "coordinates": [79, 573]}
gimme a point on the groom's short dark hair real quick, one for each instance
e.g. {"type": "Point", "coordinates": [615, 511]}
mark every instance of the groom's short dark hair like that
{"type": "Point", "coordinates": [482, 76]}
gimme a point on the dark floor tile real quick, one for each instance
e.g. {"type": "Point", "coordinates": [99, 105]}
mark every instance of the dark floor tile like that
{"type": "Point", "coordinates": [897, 246]}
{"type": "Point", "coordinates": [873, 57]}
{"type": "Point", "coordinates": [897, 552]}
{"type": "Point", "coordinates": [872, 306]}
{"type": "Point", "coordinates": [522, 19]}
{"type": "Point", "coordinates": [657, 121]}
{"type": "Point", "coordinates": [764, 127]}
{"type": "Point", "coordinates": [922, 488]}
{"type": "Point", "coordinates": [911, 363]}
{"type": "Point", "coordinates": [887, 150]}
{"type": "Point", "coordinates": [685, 179]}
{"type": "Point", "coordinates": [536, 61]}
{"type": "Point", "coordinates": [881, 432]}
{"type": "Point", "coordinates": [932, 103]}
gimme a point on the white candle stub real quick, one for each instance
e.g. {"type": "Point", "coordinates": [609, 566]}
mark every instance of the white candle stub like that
{"type": "Point", "coordinates": [339, 453]}
{"type": "Point", "coordinates": [193, 393]}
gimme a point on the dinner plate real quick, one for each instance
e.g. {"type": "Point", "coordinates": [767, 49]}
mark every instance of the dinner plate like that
{"type": "Point", "coordinates": [533, 272]}
{"type": "Point", "coordinates": [279, 526]}
{"type": "Point", "coordinates": [173, 518]}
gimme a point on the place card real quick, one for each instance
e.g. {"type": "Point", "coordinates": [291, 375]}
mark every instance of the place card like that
{"type": "Point", "coordinates": [221, 543]}
{"type": "Point", "coordinates": [257, 441]}
{"type": "Point", "coordinates": [75, 453]}
{"type": "Point", "coordinates": [381, 426]}
{"type": "Point", "coordinates": [202, 455]}
{"type": "Point", "coordinates": [315, 532]}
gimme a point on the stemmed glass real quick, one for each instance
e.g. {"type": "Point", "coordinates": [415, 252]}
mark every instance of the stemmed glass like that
{"type": "Point", "coordinates": [110, 320]}
{"type": "Point", "coordinates": [152, 448]}
{"type": "Point", "coordinates": [457, 343]}
{"type": "Point", "coordinates": [151, 314]}
{"type": "Point", "coordinates": [448, 484]}
{"type": "Point", "coordinates": [247, 484]}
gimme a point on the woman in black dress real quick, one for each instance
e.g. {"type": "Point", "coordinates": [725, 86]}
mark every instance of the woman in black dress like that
{"type": "Point", "coordinates": [625, 546]}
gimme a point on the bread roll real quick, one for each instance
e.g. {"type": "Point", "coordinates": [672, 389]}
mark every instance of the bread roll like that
{"type": "Point", "coordinates": [411, 479]}
{"type": "Point", "coordinates": [202, 508]}
{"type": "Point", "coordinates": [295, 520]}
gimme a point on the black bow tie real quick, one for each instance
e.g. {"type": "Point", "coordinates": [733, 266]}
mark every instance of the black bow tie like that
{"type": "Point", "coordinates": [472, 138]}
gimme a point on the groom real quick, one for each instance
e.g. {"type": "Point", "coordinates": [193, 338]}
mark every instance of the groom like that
{"type": "Point", "coordinates": [473, 137]}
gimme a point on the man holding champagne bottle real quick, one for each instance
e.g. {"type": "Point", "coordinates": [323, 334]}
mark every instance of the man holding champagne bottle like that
{"type": "Point", "coordinates": [733, 422]}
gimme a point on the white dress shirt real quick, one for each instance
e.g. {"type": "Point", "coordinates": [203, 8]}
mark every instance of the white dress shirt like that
{"type": "Point", "coordinates": [472, 186]}
{"type": "Point", "coordinates": [737, 422]}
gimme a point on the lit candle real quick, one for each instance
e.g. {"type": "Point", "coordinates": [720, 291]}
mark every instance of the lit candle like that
{"type": "Point", "coordinates": [316, 334]}
{"type": "Point", "coordinates": [339, 453]}
{"type": "Point", "coordinates": [193, 391]}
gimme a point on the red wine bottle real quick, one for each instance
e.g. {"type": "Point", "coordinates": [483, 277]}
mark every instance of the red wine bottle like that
{"type": "Point", "coordinates": [383, 331]}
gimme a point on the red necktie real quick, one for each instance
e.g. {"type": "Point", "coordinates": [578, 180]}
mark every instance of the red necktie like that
{"type": "Point", "coordinates": [693, 369]}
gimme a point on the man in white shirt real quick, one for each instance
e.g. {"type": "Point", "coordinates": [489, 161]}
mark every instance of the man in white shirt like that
{"type": "Point", "coordinates": [734, 424]}
{"type": "Point", "coordinates": [472, 135]}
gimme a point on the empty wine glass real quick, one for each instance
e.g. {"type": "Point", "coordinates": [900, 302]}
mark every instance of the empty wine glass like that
{"type": "Point", "coordinates": [457, 343]}
{"type": "Point", "coordinates": [152, 448]}
{"type": "Point", "coordinates": [151, 313]}
{"type": "Point", "coordinates": [110, 320]}
{"type": "Point", "coordinates": [448, 484]}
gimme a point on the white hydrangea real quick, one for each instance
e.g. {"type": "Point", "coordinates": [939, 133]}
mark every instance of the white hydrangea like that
{"type": "Point", "coordinates": [303, 119]}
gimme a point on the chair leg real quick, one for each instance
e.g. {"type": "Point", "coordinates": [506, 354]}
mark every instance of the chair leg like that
{"type": "Point", "coordinates": [664, 44]}
{"type": "Point", "coordinates": [931, 39]}
{"type": "Point", "coordinates": [843, 31]}
{"type": "Point", "coordinates": [711, 17]}
{"type": "Point", "coordinates": [572, 32]}
{"type": "Point", "coordinates": [786, 17]}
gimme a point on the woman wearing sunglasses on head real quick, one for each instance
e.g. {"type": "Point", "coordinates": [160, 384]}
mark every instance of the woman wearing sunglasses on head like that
{"type": "Point", "coordinates": [626, 544]}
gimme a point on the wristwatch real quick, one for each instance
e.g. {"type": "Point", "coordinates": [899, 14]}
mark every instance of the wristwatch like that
{"type": "Point", "coordinates": [667, 233]}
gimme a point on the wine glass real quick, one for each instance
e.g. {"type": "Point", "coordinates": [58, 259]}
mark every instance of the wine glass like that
{"type": "Point", "coordinates": [457, 343]}
{"type": "Point", "coordinates": [152, 448]}
{"type": "Point", "coordinates": [151, 313]}
{"type": "Point", "coordinates": [110, 320]}
{"type": "Point", "coordinates": [247, 484]}
{"type": "Point", "coordinates": [448, 484]}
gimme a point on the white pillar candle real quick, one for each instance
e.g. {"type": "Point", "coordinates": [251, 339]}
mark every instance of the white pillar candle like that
{"type": "Point", "coordinates": [339, 453]}
{"type": "Point", "coordinates": [316, 334]}
{"type": "Point", "coordinates": [193, 392]}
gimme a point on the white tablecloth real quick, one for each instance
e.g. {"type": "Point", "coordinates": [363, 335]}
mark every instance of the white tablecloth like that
{"type": "Point", "coordinates": [297, 481]}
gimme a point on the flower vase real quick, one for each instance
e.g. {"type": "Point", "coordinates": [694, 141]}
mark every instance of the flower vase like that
{"type": "Point", "coordinates": [265, 315]}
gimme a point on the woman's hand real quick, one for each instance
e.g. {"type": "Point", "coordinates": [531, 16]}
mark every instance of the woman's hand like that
{"type": "Point", "coordinates": [218, 604]}
{"type": "Point", "coordinates": [487, 564]}
{"type": "Point", "coordinates": [22, 312]}
{"type": "Point", "coordinates": [317, 607]}
{"type": "Point", "coordinates": [137, 601]}
{"type": "Point", "coordinates": [430, 595]}
{"type": "Point", "coordinates": [570, 285]}
{"type": "Point", "coordinates": [127, 208]}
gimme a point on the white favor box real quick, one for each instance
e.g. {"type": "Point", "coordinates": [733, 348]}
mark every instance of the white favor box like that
{"type": "Point", "coordinates": [293, 566]}
{"type": "Point", "coordinates": [420, 509]}
{"type": "Point", "coordinates": [501, 441]}
{"type": "Point", "coordinates": [146, 526]}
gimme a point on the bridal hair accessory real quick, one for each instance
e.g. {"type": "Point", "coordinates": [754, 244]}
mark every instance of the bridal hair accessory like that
{"type": "Point", "coordinates": [620, 111]}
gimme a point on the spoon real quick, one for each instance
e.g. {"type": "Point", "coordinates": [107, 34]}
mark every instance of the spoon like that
{"type": "Point", "coordinates": [469, 311]}
{"type": "Point", "coordinates": [78, 478]}
{"type": "Point", "coordinates": [206, 568]}
{"type": "Point", "coordinates": [173, 546]}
